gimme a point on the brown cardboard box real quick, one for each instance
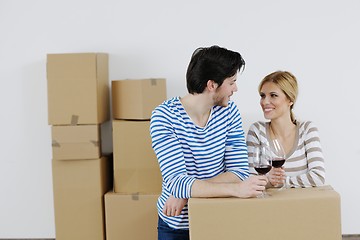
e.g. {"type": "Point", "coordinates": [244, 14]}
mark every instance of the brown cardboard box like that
{"type": "Point", "coordinates": [296, 214]}
{"type": "Point", "coordinates": [136, 99]}
{"type": "Point", "coordinates": [79, 188]}
{"type": "Point", "coordinates": [76, 142]}
{"type": "Point", "coordinates": [131, 216]}
{"type": "Point", "coordinates": [78, 88]}
{"type": "Point", "coordinates": [136, 169]}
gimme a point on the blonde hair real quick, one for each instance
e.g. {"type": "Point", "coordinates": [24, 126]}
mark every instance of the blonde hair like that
{"type": "Point", "coordinates": [287, 82]}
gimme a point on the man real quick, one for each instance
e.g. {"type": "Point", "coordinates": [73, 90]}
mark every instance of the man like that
{"type": "Point", "coordinates": [199, 141]}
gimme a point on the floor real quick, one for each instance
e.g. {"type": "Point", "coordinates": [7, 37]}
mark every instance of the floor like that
{"type": "Point", "coordinates": [345, 237]}
{"type": "Point", "coordinates": [351, 237]}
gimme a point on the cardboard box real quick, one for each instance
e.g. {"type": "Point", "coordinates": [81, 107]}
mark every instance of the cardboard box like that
{"type": "Point", "coordinates": [76, 142]}
{"type": "Point", "coordinates": [131, 216]}
{"type": "Point", "coordinates": [136, 169]}
{"type": "Point", "coordinates": [79, 188]}
{"type": "Point", "coordinates": [78, 88]}
{"type": "Point", "coordinates": [296, 214]}
{"type": "Point", "coordinates": [136, 99]}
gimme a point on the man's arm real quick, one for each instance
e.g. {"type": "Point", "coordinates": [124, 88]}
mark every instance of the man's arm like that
{"type": "Point", "coordinates": [226, 177]}
{"type": "Point", "coordinates": [217, 187]}
{"type": "Point", "coordinates": [251, 187]}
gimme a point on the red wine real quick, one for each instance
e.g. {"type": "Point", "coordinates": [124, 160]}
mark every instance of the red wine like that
{"type": "Point", "coordinates": [263, 169]}
{"type": "Point", "coordinates": [276, 163]}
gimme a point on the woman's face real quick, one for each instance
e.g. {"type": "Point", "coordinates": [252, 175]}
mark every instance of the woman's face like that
{"type": "Point", "coordinates": [274, 102]}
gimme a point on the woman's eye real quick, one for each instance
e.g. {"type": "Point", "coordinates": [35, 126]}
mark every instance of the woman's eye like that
{"type": "Point", "coordinates": [273, 95]}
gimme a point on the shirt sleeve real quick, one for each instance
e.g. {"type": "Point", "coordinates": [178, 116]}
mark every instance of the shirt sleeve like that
{"type": "Point", "coordinates": [169, 154]}
{"type": "Point", "coordinates": [236, 154]}
{"type": "Point", "coordinates": [252, 142]}
{"type": "Point", "coordinates": [315, 176]}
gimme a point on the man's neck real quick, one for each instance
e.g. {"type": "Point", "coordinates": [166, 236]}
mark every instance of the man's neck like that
{"type": "Point", "coordinates": [198, 107]}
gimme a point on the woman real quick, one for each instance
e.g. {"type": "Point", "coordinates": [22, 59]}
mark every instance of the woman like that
{"type": "Point", "coordinates": [304, 165]}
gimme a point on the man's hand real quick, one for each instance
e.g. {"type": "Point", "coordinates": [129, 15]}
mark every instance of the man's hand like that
{"type": "Point", "coordinates": [173, 206]}
{"type": "Point", "coordinates": [251, 187]}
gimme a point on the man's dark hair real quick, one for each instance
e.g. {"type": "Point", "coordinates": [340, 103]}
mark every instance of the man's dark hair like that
{"type": "Point", "coordinates": [211, 63]}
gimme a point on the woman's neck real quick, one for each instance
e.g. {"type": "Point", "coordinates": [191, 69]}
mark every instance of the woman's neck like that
{"type": "Point", "coordinates": [284, 132]}
{"type": "Point", "coordinates": [282, 128]}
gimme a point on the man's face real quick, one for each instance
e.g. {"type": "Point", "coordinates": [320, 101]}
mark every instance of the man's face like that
{"type": "Point", "coordinates": [225, 91]}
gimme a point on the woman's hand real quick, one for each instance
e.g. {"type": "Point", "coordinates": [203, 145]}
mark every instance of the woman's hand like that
{"type": "Point", "coordinates": [173, 206]}
{"type": "Point", "coordinates": [276, 176]}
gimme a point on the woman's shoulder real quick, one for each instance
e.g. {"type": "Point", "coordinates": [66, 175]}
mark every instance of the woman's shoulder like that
{"type": "Point", "coordinates": [258, 126]}
{"type": "Point", "coordinates": [305, 124]}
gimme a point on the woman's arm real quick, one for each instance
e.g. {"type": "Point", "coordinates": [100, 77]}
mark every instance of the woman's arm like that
{"type": "Point", "coordinates": [315, 175]}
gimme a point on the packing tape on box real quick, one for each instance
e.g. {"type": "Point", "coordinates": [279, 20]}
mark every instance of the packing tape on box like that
{"type": "Point", "coordinates": [74, 120]}
{"type": "Point", "coordinates": [55, 143]}
{"type": "Point", "coordinates": [135, 196]}
{"type": "Point", "coordinates": [153, 82]}
{"type": "Point", "coordinates": [96, 143]}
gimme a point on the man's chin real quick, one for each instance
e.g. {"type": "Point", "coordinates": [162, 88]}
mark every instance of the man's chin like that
{"type": "Point", "coordinates": [223, 104]}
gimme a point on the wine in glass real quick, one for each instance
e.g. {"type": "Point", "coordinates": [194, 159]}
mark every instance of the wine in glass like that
{"type": "Point", "coordinates": [262, 163]}
{"type": "Point", "coordinates": [278, 156]}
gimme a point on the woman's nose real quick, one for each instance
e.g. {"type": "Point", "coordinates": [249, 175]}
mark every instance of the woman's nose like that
{"type": "Point", "coordinates": [265, 100]}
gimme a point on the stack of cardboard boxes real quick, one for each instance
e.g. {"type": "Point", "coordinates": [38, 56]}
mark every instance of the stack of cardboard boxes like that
{"type": "Point", "coordinates": [131, 206]}
{"type": "Point", "coordinates": [114, 197]}
{"type": "Point", "coordinates": [78, 103]}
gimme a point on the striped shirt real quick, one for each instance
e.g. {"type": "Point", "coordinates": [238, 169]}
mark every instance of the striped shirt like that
{"type": "Point", "coordinates": [187, 152]}
{"type": "Point", "coordinates": [304, 165]}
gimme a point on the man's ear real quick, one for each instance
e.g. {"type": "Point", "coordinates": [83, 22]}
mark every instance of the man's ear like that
{"type": "Point", "coordinates": [211, 85]}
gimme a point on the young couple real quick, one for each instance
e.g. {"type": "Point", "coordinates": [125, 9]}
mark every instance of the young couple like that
{"type": "Point", "coordinates": [201, 146]}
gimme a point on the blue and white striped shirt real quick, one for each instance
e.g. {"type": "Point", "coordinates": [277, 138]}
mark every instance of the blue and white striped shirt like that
{"type": "Point", "coordinates": [187, 152]}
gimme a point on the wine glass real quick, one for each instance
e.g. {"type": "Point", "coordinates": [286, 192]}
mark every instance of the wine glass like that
{"type": "Point", "coordinates": [262, 163]}
{"type": "Point", "coordinates": [278, 157]}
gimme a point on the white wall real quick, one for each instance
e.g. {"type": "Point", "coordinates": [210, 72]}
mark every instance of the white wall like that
{"type": "Point", "coordinates": [316, 40]}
